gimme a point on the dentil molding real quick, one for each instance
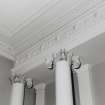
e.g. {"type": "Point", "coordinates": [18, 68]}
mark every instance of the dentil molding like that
{"type": "Point", "coordinates": [81, 29]}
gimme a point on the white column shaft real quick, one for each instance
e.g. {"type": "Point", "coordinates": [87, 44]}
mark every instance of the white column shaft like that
{"type": "Point", "coordinates": [17, 94]}
{"type": "Point", "coordinates": [85, 85]}
{"type": "Point", "coordinates": [63, 83]}
{"type": "Point", "coordinates": [40, 94]}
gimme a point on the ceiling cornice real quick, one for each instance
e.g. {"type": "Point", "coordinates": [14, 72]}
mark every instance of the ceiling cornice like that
{"type": "Point", "coordinates": [33, 32]}
{"type": "Point", "coordinates": [7, 51]}
{"type": "Point", "coordinates": [81, 29]}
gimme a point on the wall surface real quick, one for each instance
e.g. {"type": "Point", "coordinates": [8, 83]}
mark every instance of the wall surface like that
{"type": "Point", "coordinates": [5, 87]}
{"type": "Point", "coordinates": [50, 94]}
{"type": "Point", "coordinates": [98, 75]}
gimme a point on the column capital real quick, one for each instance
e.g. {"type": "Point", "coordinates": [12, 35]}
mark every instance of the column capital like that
{"type": "Point", "coordinates": [29, 82]}
{"type": "Point", "coordinates": [75, 63]}
{"type": "Point", "coordinates": [40, 86]}
{"type": "Point", "coordinates": [61, 55]}
{"type": "Point", "coordinates": [17, 78]}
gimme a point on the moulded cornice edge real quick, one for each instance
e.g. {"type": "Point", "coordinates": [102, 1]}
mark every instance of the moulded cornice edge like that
{"type": "Point", "coordinates": [82, 29]}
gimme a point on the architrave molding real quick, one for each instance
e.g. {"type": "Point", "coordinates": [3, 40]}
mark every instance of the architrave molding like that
{"type": "Point", "coordinates": [81, 29]}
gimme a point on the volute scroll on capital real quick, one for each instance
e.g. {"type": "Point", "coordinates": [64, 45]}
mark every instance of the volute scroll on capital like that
{"type": "Point", "coordinates": [74, 61]}
{"type": "Point", "coordinates": [61, 55]}
{"type": "Point", "coordinates": [18, 78]}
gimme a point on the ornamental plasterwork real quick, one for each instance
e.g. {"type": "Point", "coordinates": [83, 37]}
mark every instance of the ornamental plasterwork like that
{"type": "Point", "coordinates": [66, 37]}
{"type": "Point", "coordinates": [18, 78]}
{"type": "Point", "coordinates": [69, 32]}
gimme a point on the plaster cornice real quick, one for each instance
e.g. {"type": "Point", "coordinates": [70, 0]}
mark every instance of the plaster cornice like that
{"type": "Point", "coordinates": [26, 37]}
{"type": "Point", "coordinates": [7, 51]}
{"type": "Point", "coordinates": [81, 29]}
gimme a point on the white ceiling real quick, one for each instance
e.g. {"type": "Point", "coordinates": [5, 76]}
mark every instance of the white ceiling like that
{"type": "Point", "coordinates": [25, 22]}
{"type": "Point", "coordinates": [14, 12]}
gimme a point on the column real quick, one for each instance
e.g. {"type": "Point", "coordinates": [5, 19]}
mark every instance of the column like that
{"type": "Point", "coordinates": [17, 95]}
{"type": "Point", "coordinates": [82, 82]}
{"type": "Point", "coordinates": [40, 94]}
{"type": "Point", "coordinates": [75, 66]}
{"type": "Point", "coordinates": [85, 85]}
{"type": "Point", "coordinates": [29, 96]}
{"type": "Point", "coordinates": [63, 80]}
